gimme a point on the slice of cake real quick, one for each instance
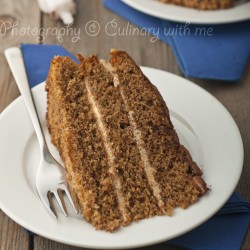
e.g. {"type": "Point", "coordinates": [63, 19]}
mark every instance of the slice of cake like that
{"type": "Point", "coordinates": [114, 134]}
{"type": "Point", "coordinates": [202, 5]}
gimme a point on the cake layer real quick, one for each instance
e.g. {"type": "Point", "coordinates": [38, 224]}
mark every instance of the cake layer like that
{"type": "Point", "coordinates": [75, 133]}
{"type": "Point", "coordinates": [173, 169]}
{"type": "Point", "coordinates": [202, 5]}
{"type": "Point", "coordinates": [126, 167]}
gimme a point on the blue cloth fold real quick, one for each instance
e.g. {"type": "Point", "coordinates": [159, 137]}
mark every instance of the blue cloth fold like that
{"type": "Point", "coordinates": [37, 60]}
{"type": "Point", "coordinates": [218, 52]}
{"type": "Point", "coordinates": [225, 230]}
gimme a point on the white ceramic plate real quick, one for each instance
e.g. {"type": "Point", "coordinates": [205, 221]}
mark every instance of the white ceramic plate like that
{"type": "Point", "coordinates": [240, 12]}
{"type": "Point", "coordinates": [205, 127]}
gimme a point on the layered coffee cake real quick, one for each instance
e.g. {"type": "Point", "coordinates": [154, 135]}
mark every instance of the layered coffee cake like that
{"type": "Point", "coordinates": [113, 131]}
{"type": "Point", "coordinates": [202, 5]}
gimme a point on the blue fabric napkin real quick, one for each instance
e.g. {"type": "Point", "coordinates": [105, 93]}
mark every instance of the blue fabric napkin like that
{"type": "Point", "coordinates": [225, 230]}
{"type": "Point", "coordinates": [221, 54]}
{"type": "Point", "coordinates": [37, 60]}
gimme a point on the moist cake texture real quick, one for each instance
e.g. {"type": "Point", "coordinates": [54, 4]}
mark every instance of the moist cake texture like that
{"type": "Point", "coordinates": [202, 5]}
{"type": "Point", "coordinates": [112, 129]}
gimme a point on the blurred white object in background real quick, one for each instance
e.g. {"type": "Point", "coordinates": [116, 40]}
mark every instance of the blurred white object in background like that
{"type": "Point", "coordinates": [63, 9]}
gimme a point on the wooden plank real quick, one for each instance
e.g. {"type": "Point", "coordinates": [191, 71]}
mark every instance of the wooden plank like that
{"type": "Point", "coordinates": [12, 236]}
{"type": "Point", "coordinates": [14, 29]}
{"type": "Point", "coordinates": [74, 37]}
{"type": "Point", "coordinates": [12, 13]}
{"type": "Point", "coordinates": [45, 244]}
{"type": "Point", "coordinates": [7, 85]}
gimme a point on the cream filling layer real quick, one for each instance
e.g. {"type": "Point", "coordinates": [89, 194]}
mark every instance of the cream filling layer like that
{"type": "Point", "coordinates": [144, 157]}
{"type": "Point", "coordinates": [111, 70]}
{"type": "Point", "coordinates": [138, 138]}
{"type": "Point", "coordinates": [111, 157]}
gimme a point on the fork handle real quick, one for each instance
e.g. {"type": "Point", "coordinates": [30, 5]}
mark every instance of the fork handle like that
{"type": "Point", "coordinates": [15, 61]}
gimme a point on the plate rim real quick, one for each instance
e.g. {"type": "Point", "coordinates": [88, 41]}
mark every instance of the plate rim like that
{"type": "Point", "coordinates": [138, 5]}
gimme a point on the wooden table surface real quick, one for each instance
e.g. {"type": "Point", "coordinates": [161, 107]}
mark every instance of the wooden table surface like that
{"type": "Point", "coordinates": [146, 52]}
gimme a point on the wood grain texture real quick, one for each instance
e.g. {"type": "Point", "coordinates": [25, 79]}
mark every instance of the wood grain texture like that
{"type": "Point", "coordinates": [41, 243]}
{"type": "Point", "coordinates": [16, 24]}
{"type": "Point", "coordinates": [85, 45]}
{"type": "Point", "coordinates": [12, 236]}
{"type": "Point", "coordinates": [12, 19]}
{"type": "Point", "coordinates": [146, 51]}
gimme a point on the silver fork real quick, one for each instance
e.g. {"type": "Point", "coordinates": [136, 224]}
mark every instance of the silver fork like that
{"type": "Point", "coordinates": [51, 175]}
